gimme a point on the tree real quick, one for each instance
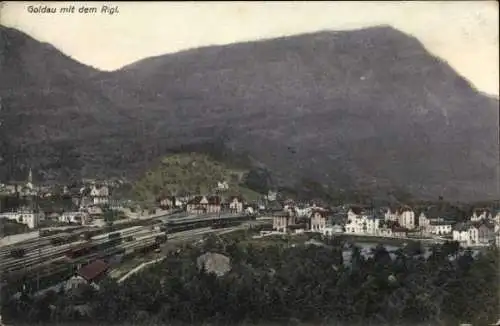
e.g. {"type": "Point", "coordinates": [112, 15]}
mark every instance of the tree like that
{"type": "Point", "coordinates": [110, 216]}
{"type": "Point", "coordinates": [413, 248]}
{"type": "Point", "coordinates": [259, 180]}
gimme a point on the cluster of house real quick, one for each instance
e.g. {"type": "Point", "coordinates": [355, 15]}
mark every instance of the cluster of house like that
{"type": "Point", "coordinates": [482, 229]}
{"type": "Point", "coordinates": [206, 204]}
{"type": "Point", "coordinates": [88, 198]}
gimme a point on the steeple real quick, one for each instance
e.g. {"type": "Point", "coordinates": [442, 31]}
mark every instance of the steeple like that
{"type": "Point", "coordinates": [29, 184]}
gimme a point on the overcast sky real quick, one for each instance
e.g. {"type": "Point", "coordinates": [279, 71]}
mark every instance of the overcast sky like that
{"type": "Point", "coordinates": [465, 34]}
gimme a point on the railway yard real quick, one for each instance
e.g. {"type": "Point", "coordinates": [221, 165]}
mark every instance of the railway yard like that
{"type": "Point", "coordinates": [49, 258]}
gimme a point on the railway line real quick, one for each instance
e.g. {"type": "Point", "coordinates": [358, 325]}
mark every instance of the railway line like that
{"type": "Point", "coordinates": [44, 250]}
{"type": "Point", "coordinates": [52, 268]}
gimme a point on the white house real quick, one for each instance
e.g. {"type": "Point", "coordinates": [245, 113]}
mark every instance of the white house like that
{"type": "Point", "coordinates": [439, 228]}
{"type": "Point", "coordinates": [355, 223]}
{"type": "Point", "coordinates": [496, 218]}
{"type": "Point", "coordinates": [480, 215]}
{"type": "Point", "coordinates": [473, 235]}
{"type": "Point", "coordinates": [25, 216]}
{"type": "Point", "coordinates": [272, 195]}
{"type": "Point", "coordinates": [384, 232]}
{"type": "Point", "coordinates": [372, 225]}
{"type": "Point", "coordinates": [236, 204]}
{"type": "Point", "coordinates": [423, 221]}
{"type": "Point", "coordinates": [332, 230]}
{"type": "Point", "coordinates": [361, 224]}
{"type": "Point", "coordinates": [99, 195]}
{"type": "Point", "coordinates": [407, 218]}
{"type": "Point", "coordinates": [390, 215]}
{"type": "Point", "coordinates": [74, 217]}
{"type": "Point", "coordinates": [222, 185]}
{"type": "Point", "coordinates": [249, 210]}
{"type": "Point", "coordinates": [461, 234]}
{"type": "Point", "coordinates": [477, 234]}
{"type": "Point", "coordinates": [303, 211]}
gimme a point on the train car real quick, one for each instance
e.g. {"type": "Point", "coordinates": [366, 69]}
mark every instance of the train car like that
{"type": "Point", "coordinates": [225, 224]}
{"type": "Point", "coordinates": [17, 253]}
{"type": "Point", "coordinates": [109, 244]}
{"type": "Point", "coordinates": [87, 235]}
{"type": "Point", "coordinates": [61, 239]}
{"type": "Point", "coordinates": [114, 235]}
{"type": "Point", "coordinates": [44, 233]}
{"type": "Point", "coordinates": [79, 251]}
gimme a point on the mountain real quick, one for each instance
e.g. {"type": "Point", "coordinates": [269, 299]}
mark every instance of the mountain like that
{"type": "Point", "coordinates": [364, 109]}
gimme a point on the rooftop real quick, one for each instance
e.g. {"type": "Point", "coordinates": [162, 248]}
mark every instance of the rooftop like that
{"type": "Point", "coordinates": [93, 270]}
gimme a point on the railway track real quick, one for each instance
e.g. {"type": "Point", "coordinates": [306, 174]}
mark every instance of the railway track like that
{"type": "Point", "coordinates": [64, 270]}
{"type": "Point", "coordinates": [51, 267]}
{"type": "Point", "coordinates": [40, 250]}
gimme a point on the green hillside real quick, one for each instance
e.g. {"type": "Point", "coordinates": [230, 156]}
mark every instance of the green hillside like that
{"type": "Point", "coordinates": [190, 173]}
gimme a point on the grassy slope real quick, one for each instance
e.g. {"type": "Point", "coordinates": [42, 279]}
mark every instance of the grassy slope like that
{"type": "Point", "coordinates": [190, 173]}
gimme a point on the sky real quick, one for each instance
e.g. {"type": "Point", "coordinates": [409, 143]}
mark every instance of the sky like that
{"type": "Point", "coordinates": [463, 33]}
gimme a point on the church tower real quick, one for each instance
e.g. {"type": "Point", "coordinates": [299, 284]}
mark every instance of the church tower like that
{"type": "Point", "coordinates": [30, 180]}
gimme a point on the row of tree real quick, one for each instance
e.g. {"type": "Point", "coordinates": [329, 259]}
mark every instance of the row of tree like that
{"type": "Point", "coordinates": [284, 283]}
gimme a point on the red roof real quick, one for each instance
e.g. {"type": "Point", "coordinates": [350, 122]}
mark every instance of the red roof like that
{"type": "Point", "coordinates": [93, 270]}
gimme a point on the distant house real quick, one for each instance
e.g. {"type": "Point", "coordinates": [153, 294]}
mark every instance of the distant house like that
{"type": "Point", "coordinates": [271, 195]}
{"type": "Point", "coordinates": [480, 215]}
{"type": "Point", "coordinates": [360, 222]}
{"type": "Point", "coordinates": [332, 230]}
{"type": "Point", "coordinates": [235, 204]}
{"type": "Point", "coordinates": [355, 221]}
{"type": "Point", "coordinates": [474, 234]}
{"type": "Point", "coordinates": [460, 234]}
{"type": "Point", "coordinates": [439, 227]}
{"type": "Point", "coordinates": [423, 221]}
{"type": "Point", "coordinates": [406, 218]}
{"type": "Point", "coordinates": [204, 205]}
{"type": "Point", "coordinates": [74, 217]}
{"type": "Point", "coordinates": [399, 232]}
{"type": "Point", "coordinates": [94, 211]}
{"type": "Point", "coordinates": [496, 218]}
{"type": "Point", "coordinates": [25, 215]}
{"type": "Point", "coordinates": [318, 220]}
{"type": "Point", "coordinates": [99, 194]}
{"type": "Point", "coordinates": [391, 215]}
{"type": "Point", "coordinates": [169, 202]}
{"type": "Point", "coordinates": [282, 222]}
{"type": "Point", "coordinates": [486, 233]}
{"type": "Point", "coordinates": [89, 274]}
{"type": "Point", "coordinates": [222, 185]}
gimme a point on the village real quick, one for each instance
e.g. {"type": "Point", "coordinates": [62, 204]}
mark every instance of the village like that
{"type": "Point", "coordinates": [482, 228]}
{"type": "Point", "coordinates": [92, 204]}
